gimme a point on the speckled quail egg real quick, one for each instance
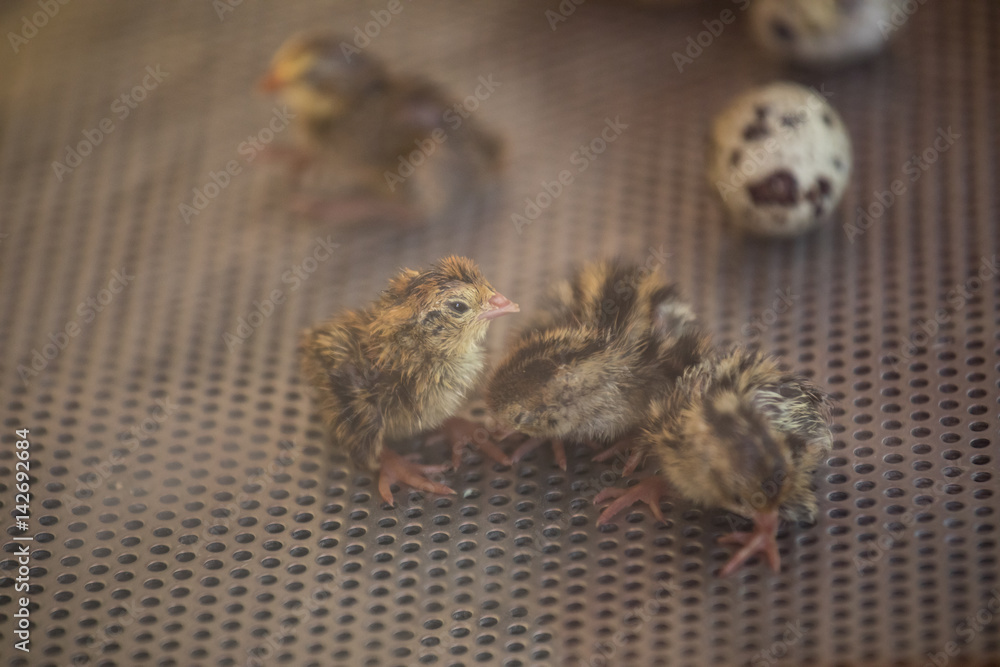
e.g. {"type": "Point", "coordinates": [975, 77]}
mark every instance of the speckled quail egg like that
{"type": "Point", "coordinates": [822, 32]}
{"type": "Point", "coordinates": [780, 160]}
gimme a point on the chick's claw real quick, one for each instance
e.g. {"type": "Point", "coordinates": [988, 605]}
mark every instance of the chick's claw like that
{"type": "Point", "coordinates": [398, 469]}
{"type": "Point", "coordinates": [460, 433]}
{"type": "Point", "coordinates": [762, 540]}
{"type": "Point", "coordinates": [650, 491]}
{"type": "Point", "coordinates": [620, 448]}
{"type": "Point", "coordinates": [531, 444]}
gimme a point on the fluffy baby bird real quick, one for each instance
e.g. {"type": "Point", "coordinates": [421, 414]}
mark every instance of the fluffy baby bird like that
{"type": "Point", "coordinates": [403, 365]}
{"type": "Point", "coordinates": [381, 146]}
{"type": "Point", "coordinates": [738, 433]}
{"type": "Point", "coordinates": [610, 339]}
{"type": "Point", "coordinates": [615, 294]}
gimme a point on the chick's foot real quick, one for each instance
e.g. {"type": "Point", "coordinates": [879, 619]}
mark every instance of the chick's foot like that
{"type": "Point", "coordinates": [650, 491]}
{"type": "Point", "coordinates": [624, 448]}
{"type": "Point", "coordinates": [461, 433]}
{"type": "Point", "coordinates": [397, 469]}
{"type": "Point", "coordinates": [531, 444]}
{"type": "Point", "coordinates": [762, 540]}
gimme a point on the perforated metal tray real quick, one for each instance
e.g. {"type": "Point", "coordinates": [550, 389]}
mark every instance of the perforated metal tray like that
{"type": "Point", "coordinates": [187, 509]}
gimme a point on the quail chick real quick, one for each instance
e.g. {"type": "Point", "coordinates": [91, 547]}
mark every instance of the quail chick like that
{"type": "Point", "coordinates": [610, 338]}
{"type": "Point", "coordinates": [614, 294]}
{"type": "Point", "coordinates": [402, 365]}
{"type": "Point", "coordinates": [737, 433]}
{"type": "Point", "coordinates": [390, 147]}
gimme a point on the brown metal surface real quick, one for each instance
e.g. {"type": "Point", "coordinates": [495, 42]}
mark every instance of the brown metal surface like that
{"type": "Point", "coordinates": [187, 509]}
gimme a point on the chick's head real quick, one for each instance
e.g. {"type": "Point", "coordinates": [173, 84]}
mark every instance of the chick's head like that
{"type": "Point", "coordinates": [730, 455]}
{"type": "Point", "coordinates": [530, 396]}
{"type": "Point", "coordinates": [319, 78]}
{"type": "Point", "coordinates": [444, 310]}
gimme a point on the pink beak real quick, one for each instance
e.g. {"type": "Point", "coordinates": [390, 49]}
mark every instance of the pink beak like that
{"type": "Point", "coordinates": [499, 305]}
{"type": "Point", "coordinates": [269, 83]}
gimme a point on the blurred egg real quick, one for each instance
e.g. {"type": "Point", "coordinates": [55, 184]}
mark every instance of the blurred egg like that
{"type": "Point", "coordinates": [781, 159]}
{"type": "Point", "coordinates": [823, 32]}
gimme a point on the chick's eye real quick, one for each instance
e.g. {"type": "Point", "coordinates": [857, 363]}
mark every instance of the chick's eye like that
{"type": "Point", "coordinates": [458, 306]}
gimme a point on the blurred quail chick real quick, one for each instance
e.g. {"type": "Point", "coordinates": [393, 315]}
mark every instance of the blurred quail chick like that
{"type": "Point", "coordinates": [736, 433]}
{"type": "Point", "coordinates": [610, 339]}
{"type": "Point", "coordinates": [402, 365]}
{"type": "Point", "coordinates": [378, 146]}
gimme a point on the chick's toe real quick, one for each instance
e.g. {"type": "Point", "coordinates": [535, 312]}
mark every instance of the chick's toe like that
{"type": "Point", "coordinates": [531, 444]}
{"type": "Point", "coordinates": [650, 491]}
{"type": "Point", "coordinates": [461, 433]}
{"type": "Point", "coordinates": [627, 449]}
{"type": "Point", "coordinates": [762, 540]}
{"type": "Point", "coordinates": [397, 469]}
